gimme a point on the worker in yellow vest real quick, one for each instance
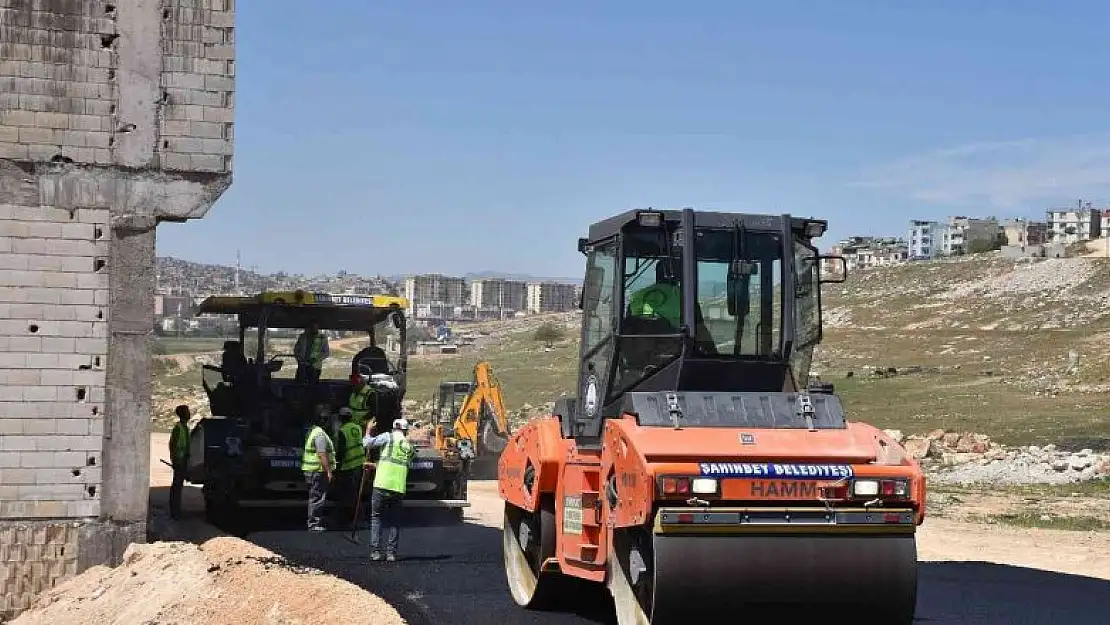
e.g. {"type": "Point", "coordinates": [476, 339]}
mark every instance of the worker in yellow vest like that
{"type": "Point", "coordinates": [318, 463]}
{"type": "Point", "coordinates": [663, 299]}
{"type": "Point", "coordinates": [390, 482]}
{"type": "Point", "coordinates": [179, 458]}
{"type": "Point", "coordinates": [352, 457]}
{"type": "Point", "coordinates": [361, 402]}
{"type": "Point", "coordinates": [311, 350]}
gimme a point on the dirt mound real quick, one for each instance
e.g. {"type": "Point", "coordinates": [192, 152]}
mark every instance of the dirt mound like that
{"type": "Point", "coordinates": [224, 580]}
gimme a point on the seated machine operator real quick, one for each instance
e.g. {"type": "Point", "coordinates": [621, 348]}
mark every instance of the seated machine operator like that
{"type": "Point", "coordinates": [664, 298]}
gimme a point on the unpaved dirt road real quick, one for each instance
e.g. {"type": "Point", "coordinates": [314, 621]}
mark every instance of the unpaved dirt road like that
{"type": "Point", "coordinates": [970, 573]}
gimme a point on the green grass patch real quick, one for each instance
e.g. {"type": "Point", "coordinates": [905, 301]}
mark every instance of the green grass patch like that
{"type": "Point", "coordinates": [1048, 521]}
{"type": "Point", "coordinates": [968, 402]}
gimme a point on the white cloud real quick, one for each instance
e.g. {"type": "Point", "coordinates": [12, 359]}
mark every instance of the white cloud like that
{"type": "Point", "coordinates": [1001, 174]}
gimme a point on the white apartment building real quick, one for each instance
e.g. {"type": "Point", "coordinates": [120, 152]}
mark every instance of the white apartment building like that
{"type": "Point", "coordinates": [922, 241]}
{"type": "Point", "coordinates": [867, 258]}
{"type": "Point", "coordinates": [961, 233]}
{"type": "Point", "coordinates": [867, 252]}
{"type": "Point", "coordinates": [1071, 225]}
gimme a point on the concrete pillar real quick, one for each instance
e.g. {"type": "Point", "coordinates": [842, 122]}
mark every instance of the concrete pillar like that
{"type": "Point", "coordinates": [114, 116]}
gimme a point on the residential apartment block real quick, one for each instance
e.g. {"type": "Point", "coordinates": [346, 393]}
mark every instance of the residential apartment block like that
{"type": "Point", "coordinates": [934, 239]}
{"type": "Point", "coordinates": [1022, 232]}
{"type": "Point", "coordinates": [1071, 225]}
{"type": "Point", "coordinates": [923, 241]}
{"type": "Point", "coordinates": [866, 252]}
{"type": "Point", "coordinates": [552, 297]}
{"type": "Point", "coordinates": [961, 234]}
{"type": "Point", "coordinates": [447, 297]}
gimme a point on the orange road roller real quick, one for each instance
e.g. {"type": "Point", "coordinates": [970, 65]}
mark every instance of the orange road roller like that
{"type": "Point", "coordinates": [698, 472]}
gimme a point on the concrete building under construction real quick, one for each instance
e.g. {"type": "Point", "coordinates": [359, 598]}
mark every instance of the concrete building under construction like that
{"type": "Point", "coordinates": [551, 297]}
{"type": "Point", "coordinates": [435, 291]}
{"type": "Point", "coordinates": [499, 293]}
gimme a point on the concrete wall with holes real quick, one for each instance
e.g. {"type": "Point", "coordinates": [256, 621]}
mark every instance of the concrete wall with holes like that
{"type": "Point", "coordinates": [114, 116]}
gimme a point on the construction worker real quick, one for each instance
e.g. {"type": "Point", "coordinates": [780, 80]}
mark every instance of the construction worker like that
{"type": "Point", "coordinates": [390, 482]}
{"type": "Point", "coordinates": [310, 350]}
{"type": "Point", "coordinates": [179, 458]}
{"type": "Point", "coordinates": [361, 402]}
{"type": "Point", "coordinates": [353, 456]}
{"type": "Point", "coordinates": [318, 462]}
{"type": "Point", "coordinates": [662, 299]}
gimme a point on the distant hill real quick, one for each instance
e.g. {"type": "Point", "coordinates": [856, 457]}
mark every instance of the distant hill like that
{"type": "Point", "coordinates": [183, 275]}
{"type": "Point", "coordinates": [180, 275]}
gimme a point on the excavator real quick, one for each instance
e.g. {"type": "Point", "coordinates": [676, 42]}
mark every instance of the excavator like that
{"type": "Point", "coordinates": [696, 476]}
{"type": "Point", "coordinates": [472, 415]}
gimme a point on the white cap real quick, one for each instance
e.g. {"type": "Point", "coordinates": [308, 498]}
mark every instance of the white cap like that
{"type": "Point", "coordinates": [400, 424]}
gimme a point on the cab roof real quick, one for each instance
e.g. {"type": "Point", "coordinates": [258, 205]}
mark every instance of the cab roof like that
{"type": "Point", "coordinates": [298, 309]}
{"type": "Point", "coordinates": [703, 219]}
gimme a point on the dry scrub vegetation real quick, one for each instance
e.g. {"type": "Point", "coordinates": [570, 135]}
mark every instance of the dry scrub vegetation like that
{"type": "Point", "coordinates": [1014, 349]}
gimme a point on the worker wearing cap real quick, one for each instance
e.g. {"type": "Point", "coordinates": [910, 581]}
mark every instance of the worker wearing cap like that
{"type": "Point", "coordinates": [179, 458]}
{"type": "Point", "coordinates": [390, 482]}
{"type": "Point", "coordinates": [349, 472]}
{"type": "Point", "coordinates": [318, 463]}
{"type": "Point", "coordinates": [310, 350]}
{"type": "Point", "coordinates": [361, 402]}
{"type": "Point", "coordinates": [662, 299]}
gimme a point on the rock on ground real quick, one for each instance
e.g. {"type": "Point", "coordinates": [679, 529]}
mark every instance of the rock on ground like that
{"type": "Point", "coordinates": [223, 580]}
{"type": "Point", "coordinates": [969, 458]}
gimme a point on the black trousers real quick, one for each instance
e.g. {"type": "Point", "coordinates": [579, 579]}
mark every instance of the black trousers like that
{"type": "Point", "coordinates": [345, 494]}
{"type": "Point", "coordinates": [175, 489]}
{"type": "Point", "coordinates": [307, 373]}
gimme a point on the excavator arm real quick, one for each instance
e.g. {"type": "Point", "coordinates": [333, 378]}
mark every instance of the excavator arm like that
{"type": "Point", "coordinates": [482, 418]}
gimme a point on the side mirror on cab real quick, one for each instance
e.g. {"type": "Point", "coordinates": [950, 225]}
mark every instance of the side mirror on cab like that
{"type": "Point", "coordinates": [830, 276]}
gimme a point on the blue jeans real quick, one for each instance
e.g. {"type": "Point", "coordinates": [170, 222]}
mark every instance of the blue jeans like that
{"type": "Point", "coordinates": [385, 512]}
{"type": "Point", "coordinates": [317, 497]}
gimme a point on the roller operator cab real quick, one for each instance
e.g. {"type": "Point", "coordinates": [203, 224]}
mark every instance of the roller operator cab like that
{"type": "Point", "coordinates": [695, 474]}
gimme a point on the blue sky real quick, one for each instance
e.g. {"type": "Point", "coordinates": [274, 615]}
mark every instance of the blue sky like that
{"type": "Point", "coordinates": [441, 136]}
